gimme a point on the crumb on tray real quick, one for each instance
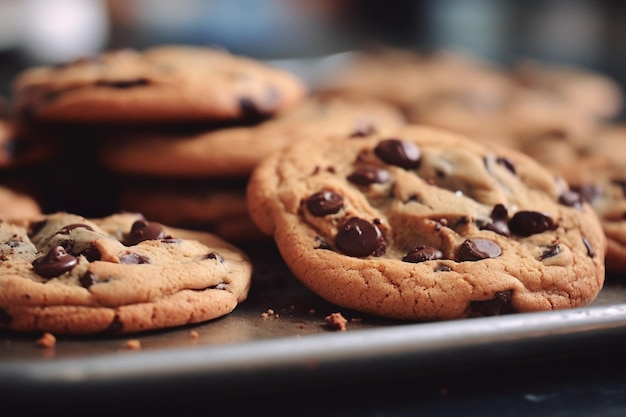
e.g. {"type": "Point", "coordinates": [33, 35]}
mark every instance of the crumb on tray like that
{"type": "Point", "coordinates": [47, 340]}
{"type": "Point", "coordinates": [336, 321]}
{"type": "Point", "coordinates": [132, 344]}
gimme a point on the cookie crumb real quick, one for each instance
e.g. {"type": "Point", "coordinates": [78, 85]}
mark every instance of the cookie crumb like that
{"type": "Point", "coordinates": [312, 311]}
{"type": "Point", "coordinates": [270, 313]}
{"type": "Point", "coordinates": [47, 340]}
{"type": "Point", "coordinates": [132, 344]}
{"type": "Point", "coordinates": [336, 321]}
{"type": "Point", "coordinates": [193, 334]}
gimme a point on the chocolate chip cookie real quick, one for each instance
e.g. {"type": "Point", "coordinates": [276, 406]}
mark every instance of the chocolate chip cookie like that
{"type": "Point", "coordinates": [166, 83]}
{"type": "Point", "coordinates": [66, 274]}
{"type": "Point", "coordinates": [424, 224]}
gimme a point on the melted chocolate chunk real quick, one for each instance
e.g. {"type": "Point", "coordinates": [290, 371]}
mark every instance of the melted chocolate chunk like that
{"type": "Point", "coordinates": [56, 262]}
{"type": "Point", "coordinates": [144, 230]}
{"type": "Point", "coordinates": [399, 153]}
{"type": "Point", "coordinates": [499, 223]}
{"type": "Point", "coordinates": [571, 198]}
{"type": "Point", "coordinates": [123, 84]}
{"type": "Point", "coordinates": [422, 253]}
{"type": "Point", "coordinates": [369, 175]}
{"type": "Point", "coordinates": [442, 268]}
{"type": "Point", "coordinates": [500, 304]}
{"type": "Point", "coordinates": [526, 223]}
{"type": "Point", "coordinates": [551, 251]}
{"type": "Point", "coordinates": [358, 237]}
{"type": "Point", "coordinates": [589, 248]}
{"type": "Point", "coordinates": [88, 279]}
{"type": "Point", "coordinates": [133, 258]}
{"type": "Point", "coordinates": [478, 249]}
{"type": "Point", "coordinates": [324, 202]}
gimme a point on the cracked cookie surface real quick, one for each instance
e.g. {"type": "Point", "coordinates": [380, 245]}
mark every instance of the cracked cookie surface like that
{"type": "Point", "coordinates": [424, 224]}
{"type": "Point", "coordinates": [66, 274]}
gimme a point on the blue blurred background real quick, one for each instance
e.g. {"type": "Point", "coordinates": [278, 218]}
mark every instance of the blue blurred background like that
{"type": "Point", "coordinates": [590, 33]}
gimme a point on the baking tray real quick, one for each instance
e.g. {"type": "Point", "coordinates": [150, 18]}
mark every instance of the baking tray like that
{"type": "Point", "coordinates": [279, 335]}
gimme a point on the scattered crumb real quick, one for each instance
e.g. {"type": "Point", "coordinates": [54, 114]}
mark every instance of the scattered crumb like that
{"type": "Point", "coordinates": [336, 321]}
{"type": "Point", "coordinates": [132, 344]}
{"type": "Point", "coordinates": [193, 334]}
{"type": "Point", "coordinates": [270, 313]}
{"type": "Point", "coordinates": [47, 340]}
{"type": "Point", "coordinates": [312, 311]}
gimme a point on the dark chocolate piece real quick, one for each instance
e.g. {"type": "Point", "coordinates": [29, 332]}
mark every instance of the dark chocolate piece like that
{"type": "Point", "coordinates": [422, 253]}
{"type": "Point", "coordinates": [399, 153]}
{"type": "Point", "coordinates": [478, 249]}
{"type": "Point", "coordinates": [324, 202]}
{"type": "Point", "coordinates": [358, 237]}
{"type": "Point", "coordinates": [56, 262]}
{"type": "Point", "coordinates": [525, 223]}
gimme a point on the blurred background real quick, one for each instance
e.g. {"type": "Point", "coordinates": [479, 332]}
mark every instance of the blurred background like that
{"type": "Point", "coordinates": [589, 33]}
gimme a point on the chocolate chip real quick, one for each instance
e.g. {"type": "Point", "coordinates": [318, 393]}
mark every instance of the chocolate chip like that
{"type": "Point", "coordinates": [505, 162]}
{"type": "Point", "coordinates": [499, 221]}
{"type": "Point", "coordinates": [324, 202]}
{"type": "Point", "coordinates": [369, 175]}
{"type": "Point", "coordinates": [590, 251]}
{"type": "Point", "coordinates": [571, 198]}
{"type": "Point", "coordinates": [500, 304]}
{"type": "Point", "coordinates": [422, 253]}
{"type": "Point", "coordinates": [478, 249]}
{"type": "Point", "coordinates": [358, 237]}
{"type": "Point", "coordinates": [169, 239]}
{"type": "Point", "coordinates": [88, 279]}
{"type": "Point", "coordinates": [551, 251]}
{"type": "Point", "coordinates": [144, 230]}
{"type": "Point", "coordinates": [526, 223]}
{"type": "Point", "coordinates": [56, 262]}
{"type": "Point", "coordinates": [123, 84]}
{"type": "Point", "coordinates": [215, 255]}
{"type": "Point", "coordinates": [133, 258]}
{"type": "Point", "coordinates": [399, 152]}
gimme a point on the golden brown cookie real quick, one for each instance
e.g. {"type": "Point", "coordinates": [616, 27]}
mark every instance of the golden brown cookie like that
{"type": "Point", "coordinates": [163, 84]}
{"type": "Point", "coordinates": [424, 224]}
{"type": "Point", "coordinates": [66, 274]}
{"type": "Point", "coordinates": [17, 205]}
{"type": "Point", "coordinates": [235, 151]}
